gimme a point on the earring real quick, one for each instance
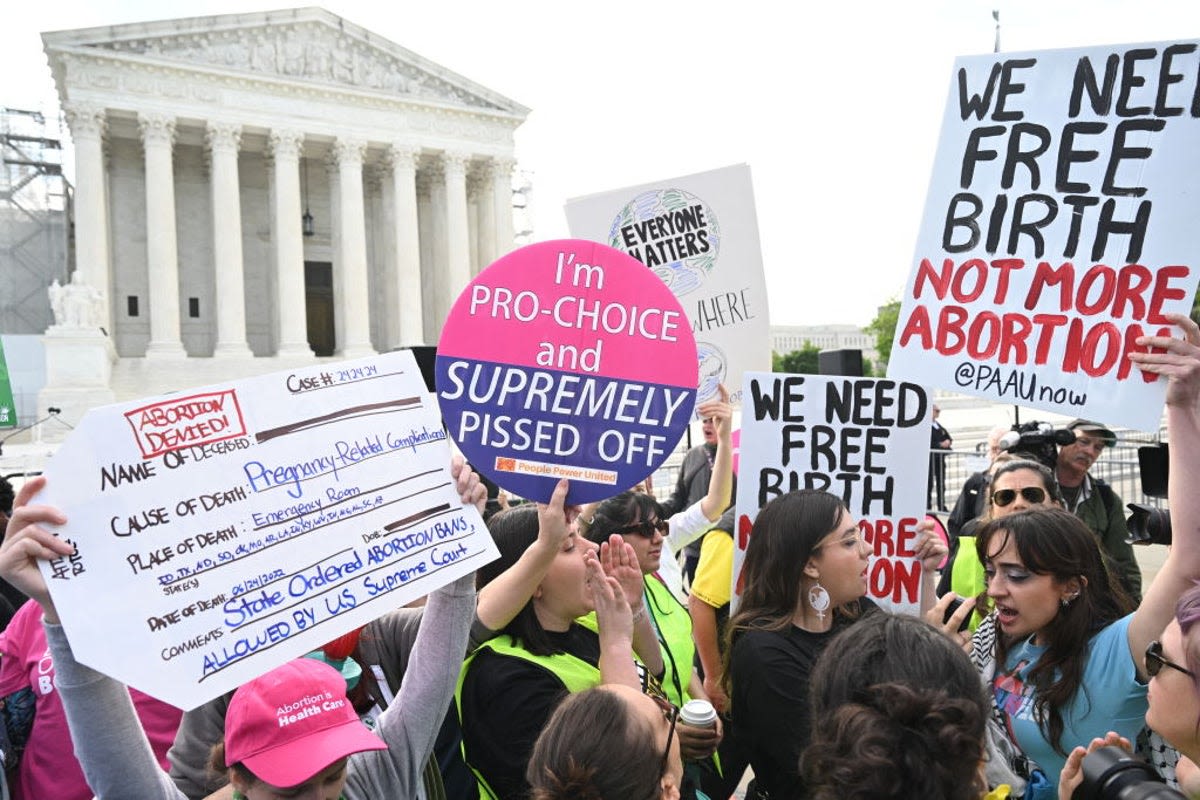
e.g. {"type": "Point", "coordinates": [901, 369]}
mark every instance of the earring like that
{"type": "Point", "coordinates": [1066, 601]}
{"type": "Point", "coordinates": [818, 598]}
{"type": "Point", "coordinates": [238, 795]}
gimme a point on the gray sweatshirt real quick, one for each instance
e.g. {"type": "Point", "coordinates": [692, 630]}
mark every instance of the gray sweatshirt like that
{"type": "Point", "coordinates": [118, 762]}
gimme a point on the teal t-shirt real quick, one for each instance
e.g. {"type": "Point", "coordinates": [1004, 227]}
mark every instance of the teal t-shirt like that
{"type": "Point", "coordinates": [1110, 699]}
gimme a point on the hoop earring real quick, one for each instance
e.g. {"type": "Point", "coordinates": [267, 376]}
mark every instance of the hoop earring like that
{"type": "Point", "coordinates": [818, 598]}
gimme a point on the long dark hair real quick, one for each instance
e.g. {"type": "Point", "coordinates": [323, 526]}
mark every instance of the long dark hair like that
{"type": "Point", "coordinates": [898, 712]}
{"type": "Point", "coordinates": [595, 748]}
{"type": "Point", "coordinates": [619, 511]}
{"type": "Point", "coordinates": [514, 530]}
{"type": "Point", "coordinates": [786, 532]}
{"type": "Point", "coordinates": [1056, 543]}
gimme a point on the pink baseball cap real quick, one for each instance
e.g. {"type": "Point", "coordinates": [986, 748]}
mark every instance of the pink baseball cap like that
{"type": "Point", "coordinates": [291, 723]}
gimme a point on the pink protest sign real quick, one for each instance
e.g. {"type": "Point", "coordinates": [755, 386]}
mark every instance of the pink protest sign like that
{"type": "Point", "coordinates": [566, 359]}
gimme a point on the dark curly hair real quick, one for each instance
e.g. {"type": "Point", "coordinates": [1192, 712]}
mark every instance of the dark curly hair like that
{"type": "Point", "coordinates": [899, 712]}
{"type": "Point", "coordinates": [595, 748]}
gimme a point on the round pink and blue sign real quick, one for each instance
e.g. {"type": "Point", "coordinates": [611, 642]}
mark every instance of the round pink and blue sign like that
{"type": "Point", "coordinates": [566, 359]}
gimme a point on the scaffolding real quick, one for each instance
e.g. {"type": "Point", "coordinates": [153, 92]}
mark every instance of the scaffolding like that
{"type": "Point", "coordinates": [36, 243]}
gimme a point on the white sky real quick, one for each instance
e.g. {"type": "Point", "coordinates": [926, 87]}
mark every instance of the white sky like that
{"type": "Point", "coordinates": [835, 106]}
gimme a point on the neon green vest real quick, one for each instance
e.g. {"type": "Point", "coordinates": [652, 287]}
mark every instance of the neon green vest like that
{"type": "Point", "coordinates": [966, 578]}
{"type": "Point", "coordinates": [674, 626]}
{"type": "Point", "coordinates": [574, 673]}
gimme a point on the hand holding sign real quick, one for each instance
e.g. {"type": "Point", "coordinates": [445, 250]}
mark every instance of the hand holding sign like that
{"type": "Point", "coordinates": [566, 359]}
{"type": "Point", "coordinates": [26, 542]}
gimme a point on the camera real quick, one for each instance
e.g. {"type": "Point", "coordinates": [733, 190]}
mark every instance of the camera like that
{"type": "Point", "coordinates": [1040, 440]}
{"type": "Point", "coordinates": [1147, 524]}
{"type": "Point", "coordinates": [1110, 773]}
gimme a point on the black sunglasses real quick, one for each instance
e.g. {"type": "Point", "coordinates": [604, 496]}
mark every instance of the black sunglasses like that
{"type": "Point", "coordinates": [1032, 494]}
{"type": "Point", "coordinates": [1155, 661]}
{"type": "Point", "coordinates": [645, 529]}
{"type": "Point", "coordinates": [671, 715]}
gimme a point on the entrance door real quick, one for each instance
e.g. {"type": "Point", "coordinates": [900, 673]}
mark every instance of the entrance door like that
{"type": "Point", "coordinates": [318, 302]}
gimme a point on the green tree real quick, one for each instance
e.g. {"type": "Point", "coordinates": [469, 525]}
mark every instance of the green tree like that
{"type": "Point", "coordinates": [803, 361]}
{"type": "Point", "coordinates": [883, 328]}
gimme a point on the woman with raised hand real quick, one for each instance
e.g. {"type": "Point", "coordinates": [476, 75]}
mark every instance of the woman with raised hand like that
{"type": "Point", "coordinates": [805, 578]}
{"type": "Point", "coordinates": [512, 683]}
{"type": "Point", "coordinates": [1072, 662]}
{"type": "Point", "coordinates": [329, 755]}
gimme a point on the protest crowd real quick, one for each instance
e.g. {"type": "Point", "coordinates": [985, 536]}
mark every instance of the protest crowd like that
{"type": "Point", "coordinates": [571, 667]}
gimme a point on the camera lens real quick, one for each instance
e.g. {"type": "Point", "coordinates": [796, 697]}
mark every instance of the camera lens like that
{"type": "Point", "coordinates": [1110, 773]}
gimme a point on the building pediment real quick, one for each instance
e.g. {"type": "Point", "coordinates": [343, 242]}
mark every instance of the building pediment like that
{"type": "Point", "coordinates": [305, 45]}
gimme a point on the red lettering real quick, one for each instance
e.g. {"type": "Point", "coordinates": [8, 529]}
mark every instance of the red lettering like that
{"type": "Point", "coordinates": [1046, 276]}
{"type": "Point", "coordinates": [879, 534]}
{"type": "Point", "coordinates": [950, 321]}
{"type": "Point", "coordinates": [1015, 331]}
{"type": "Point", "coordinates": [1004, 267]}
{"type": "Point", "coordinates": [1108, 288]}
{"type": "Point", "coordinates": [939, 282]}
{"type": "Point", "coordinates": [918, 325]}
{"type": "Point", "coordinates": [1164, 292]}
{"type": "Point", "coordinates": [976, 266]}
{"type": "Point", "coordinates": [1074, 346]}
{"type": "Point", "coordinates": [1131, 346]}
{"type": "Point", "coordinates": [908, 535]}
{"type": "Point", "coordinates": [1048, 323]}
{"type": "Point", "coordinates": [1132, 280]}
{"type": "Point", "coordinates": [1106, 337]}
{"type": "Point", "coordinates": [898, 581]}
{"type": "Point", "coordinates": [985, 335]}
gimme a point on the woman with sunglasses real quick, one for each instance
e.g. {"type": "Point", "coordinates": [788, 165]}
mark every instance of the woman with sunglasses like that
{"type": "Point", "coordinates": [1071, 658]}
{"type": "Point", "coordinates": [1017, 484]}
{"type": "Point", "coordinates": [805, 578]}
{"type": "Point", "coordinates": [608, 743]}
{"type": "Point", "coordinates": [1173, 665]}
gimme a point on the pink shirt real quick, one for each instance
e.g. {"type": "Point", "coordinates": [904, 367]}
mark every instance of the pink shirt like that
{"type": "Point", "coordinates": [48, 767]}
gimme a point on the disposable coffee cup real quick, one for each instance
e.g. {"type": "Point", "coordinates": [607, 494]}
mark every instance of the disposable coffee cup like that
{"type": "Point", "coordinates": [698, 714]}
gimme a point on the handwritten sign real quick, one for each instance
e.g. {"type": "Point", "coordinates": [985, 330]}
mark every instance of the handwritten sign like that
{"type": "Point", "coordinates": [1058, 228]}
{"type": "Point", "coordinates": [865, 440]}
{"type": "Point", "coordinates": [222, 531]}
{"type": "Point", "coordinates": [566, 359]}
{"type": "Point", "coordinates": [699, 234]}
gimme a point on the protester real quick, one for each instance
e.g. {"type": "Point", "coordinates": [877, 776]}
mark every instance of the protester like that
{"type": "Point", "coordinates": [1072, 662]}
{"type": "Point", "coordinates": [1173, 664]}
{"type": "Point", "coordinates": [39, 758]}
{"type": "Point", "coordinates": [972, 501]}
{"type": "Point", "coordinates": [696, 472]}
{"type": "Point", "coordinates": [510, 686]}
{"type": "Point", "coordinates": [1016, 485]}
{"type": "Point", "coordinates": [939, 443]}
{"type": "Point", "coordinates": [608, 743]}
{"type": "Point", "coordinates": [805, 577]}
{"type": "Point", "coordinates": [329, 755]}
{"type": "Point", "coordinates": [898, 712]}
{"type": "Point", "coordinates": [1095, 502]}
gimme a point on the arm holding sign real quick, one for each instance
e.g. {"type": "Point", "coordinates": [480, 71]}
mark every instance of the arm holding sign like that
{"type": "Point", "coordinates": [720, 485]}
{"type": "Point", "coordinates": [503, 598]}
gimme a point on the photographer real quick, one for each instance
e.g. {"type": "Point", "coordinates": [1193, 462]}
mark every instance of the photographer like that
{"type": "Point", "coordinates": [1094, 501]}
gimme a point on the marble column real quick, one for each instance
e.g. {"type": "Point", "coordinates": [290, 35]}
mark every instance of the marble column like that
{"type": "Point", "coordinates": [223, 141]}
{"type": "Point", "coordinates": [162, 254]}
{"type": "Point", "coordinates": [88, 124]}
{"type": "Point", "coordinates": [488, 252]}
{"type": "Point", "coordinates": [437, 263]}
{"type": "Point", "coordinates": [289, 245]}
{"type": "Point", "coordinates": [458, 250]}
{"type": "Point", "coordinates": [502, 192]}
{"type": "Point", "coordinates": [289, 292]}
{"type": "Point", "coordinates": [351, 302]}
{"type": "Point", "coordinates": [406, 291]}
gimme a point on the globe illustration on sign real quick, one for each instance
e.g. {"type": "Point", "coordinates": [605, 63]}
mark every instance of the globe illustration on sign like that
{"type": "Point", "coordinates": [672, 232]}
{"type": "Point", "coordinates": [713, 367]}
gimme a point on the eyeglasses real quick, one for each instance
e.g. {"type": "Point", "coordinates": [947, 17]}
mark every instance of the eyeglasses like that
{"type": "Point", "coordinates": [645, 529]}
{"type": "Point", "coordinates": [670, 714]}
{"type": "Point", "coordinates": [1032, 494]}
{"type": "Point", "coordinates": [1155, 661]}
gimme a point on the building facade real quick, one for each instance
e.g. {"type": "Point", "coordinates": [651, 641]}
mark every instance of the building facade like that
{"type": "Point", "coordinates": [277, 185]}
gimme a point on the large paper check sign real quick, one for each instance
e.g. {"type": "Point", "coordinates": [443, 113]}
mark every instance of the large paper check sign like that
{"type": "Point", "coordinates": [222, 531]}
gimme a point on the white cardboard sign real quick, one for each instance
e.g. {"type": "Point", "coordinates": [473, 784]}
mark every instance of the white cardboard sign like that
{"type": "Point", "coordinates": [225, 530]}
{"type": "Point", "coordinates": [863, 439]}
{"type": "Point", "coordinates": [1059, 226]}
{"type": "Point", "coordinates": [699, 234]}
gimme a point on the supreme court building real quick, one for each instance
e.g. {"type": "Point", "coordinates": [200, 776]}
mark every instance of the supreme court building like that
{"type": "Point", "coordinates": [278, 185]}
